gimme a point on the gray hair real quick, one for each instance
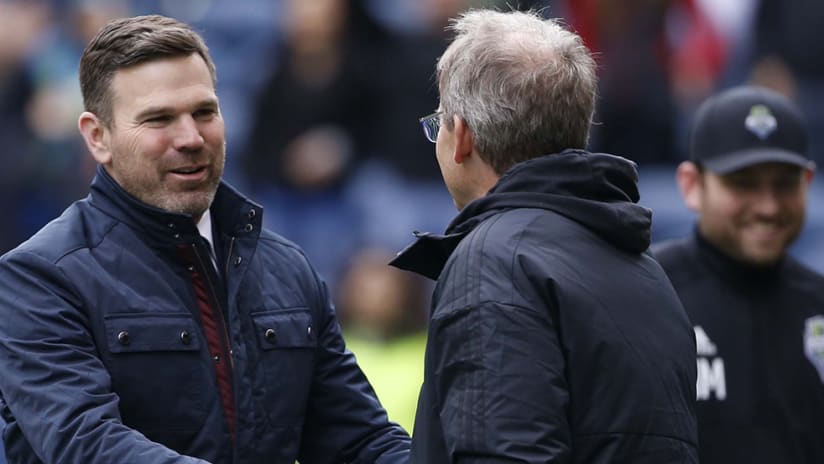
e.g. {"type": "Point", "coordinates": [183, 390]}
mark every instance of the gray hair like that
{"type": "Point", "coordinates": [524, 85]}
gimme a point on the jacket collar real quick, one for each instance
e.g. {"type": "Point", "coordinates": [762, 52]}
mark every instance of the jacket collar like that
{"type": "Point", "coordinates": [428, 254]}
{"type": "Point", "coordinates": [232, 213]}
{"type": "Point", "coordinates": [599, 191]}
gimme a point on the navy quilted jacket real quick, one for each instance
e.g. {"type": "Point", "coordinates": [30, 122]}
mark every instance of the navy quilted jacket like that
{"type": "Point", "coordinates": [103, 358]}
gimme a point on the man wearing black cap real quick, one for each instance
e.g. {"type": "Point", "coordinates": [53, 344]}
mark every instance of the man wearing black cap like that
{"type": "Point", "coordinates": [758, 314]}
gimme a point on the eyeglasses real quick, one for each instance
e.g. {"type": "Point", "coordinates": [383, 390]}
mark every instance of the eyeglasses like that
{"type": "Point", "coordinates": [431, 125]}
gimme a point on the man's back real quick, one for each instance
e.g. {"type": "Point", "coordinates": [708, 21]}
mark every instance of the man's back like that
{"type": "Point", "coordinates": [760, 398]}
{"type": "Point", "coordinates": [554, 335]}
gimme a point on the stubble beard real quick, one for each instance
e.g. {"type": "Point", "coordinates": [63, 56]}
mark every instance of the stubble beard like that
{"type": "Point", "coordinates": [157, 193]}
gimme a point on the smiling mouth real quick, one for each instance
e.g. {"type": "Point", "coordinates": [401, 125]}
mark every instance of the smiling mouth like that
{"type": "Point", "coordinates": [767, 231]}
{"type": "Point", "coordinates": [189, 171]}
{"type": "Point", "coordinates": [190, 174]}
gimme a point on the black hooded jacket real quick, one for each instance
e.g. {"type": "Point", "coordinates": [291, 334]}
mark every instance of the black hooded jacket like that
{"type": "Point", "coordinates": [554, 336]}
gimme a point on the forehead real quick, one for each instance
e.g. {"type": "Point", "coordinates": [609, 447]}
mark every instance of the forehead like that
{"type": "Point", "coordinates": [170, 81]}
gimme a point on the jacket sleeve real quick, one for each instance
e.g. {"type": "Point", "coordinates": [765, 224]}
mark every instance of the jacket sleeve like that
{"type": "Point", "coordinates": [55, 386]}
{"type": "Point", "coordinates": [345, 422]}
{"type": "Point", "coordinates": [499, 385]}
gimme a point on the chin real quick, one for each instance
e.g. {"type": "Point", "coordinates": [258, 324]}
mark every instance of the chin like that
{"type": "Point", "coordinates": [763, 258]}
{"type": "Point", "coordinates": [193, 204]}
{"type": "Point", "coordinates": [197, 209]}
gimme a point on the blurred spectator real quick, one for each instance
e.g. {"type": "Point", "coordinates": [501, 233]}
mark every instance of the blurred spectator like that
{"type": "Point", "coordinates": [408, 91]}
{"type": "Point", "coordinates": [733, 21]}
{"type": "Point", "coordinates": [402, 169]}
{"type": "Point", "coordinates": [20, 25]}
{"type": "Point", "coordinates": [310, 126]}
{"type": "Point", "coordinates": [382, 311]}
{"type": "Point", "coordinates": [757, 313]}
{"type": "Point", "coordinates": [321, 78]}
{"type": "Point", "coordinates": [788, 53]}
{"type": "Point", "coordinates": [657, 58]}
{"type": "Point", "coordinates": [45, 164]}
{"type": "Point", "coordinates": [56, 102]}
{"type": "Point", "coordinates": [41, 171]}
{"type": "Point", "coordinates": [636, 110]}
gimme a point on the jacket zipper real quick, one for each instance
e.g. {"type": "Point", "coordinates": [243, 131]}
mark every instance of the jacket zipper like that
{"type": "Point", "coordinates": [229, 256]}
{"type": "Point", "coordinates": [227, 346]}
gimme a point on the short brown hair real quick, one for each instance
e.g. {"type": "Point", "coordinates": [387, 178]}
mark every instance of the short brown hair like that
{"type": "Point", "coordinates": [127, 42]}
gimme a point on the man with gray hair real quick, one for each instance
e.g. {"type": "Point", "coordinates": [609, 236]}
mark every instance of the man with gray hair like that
{"type": "Point", "coordinates": [554, 335]}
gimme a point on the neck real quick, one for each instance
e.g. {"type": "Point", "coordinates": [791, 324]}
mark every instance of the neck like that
{"type": "Point", "coordinates": [482, 179]}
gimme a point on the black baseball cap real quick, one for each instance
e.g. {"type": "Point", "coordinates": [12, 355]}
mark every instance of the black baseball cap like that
{"type": "Point", "coordinates": [748, 125]}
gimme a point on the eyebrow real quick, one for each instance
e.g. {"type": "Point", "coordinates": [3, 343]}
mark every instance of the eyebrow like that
{"type": "Point", "coordinates": [147, 113]}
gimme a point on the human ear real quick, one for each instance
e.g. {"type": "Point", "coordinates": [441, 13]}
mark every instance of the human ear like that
{"type": "Point", "coordinates": [688, 177]}
{"type": "Point", "coordinates": [96, 135]}
{"type": "Point", "coordinates": [464, 142]}
{"type": "Point", "coordinates": [809, 173]}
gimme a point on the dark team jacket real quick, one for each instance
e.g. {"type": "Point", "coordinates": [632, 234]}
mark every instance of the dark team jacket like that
{"type": "Point", "coordinates": [104, 358]}
{"type": "Point", "coordinates": [760, 343]}
{"type": "Point", "coordinates": [554, 337]}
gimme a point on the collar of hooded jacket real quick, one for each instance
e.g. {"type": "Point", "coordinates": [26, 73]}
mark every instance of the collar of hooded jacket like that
{"type": "Point", "coordinates": [597, 190]}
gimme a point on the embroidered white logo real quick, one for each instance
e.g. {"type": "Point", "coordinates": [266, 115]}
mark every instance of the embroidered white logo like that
{"type": "Point", "coordinates": [761, 121]}
{"type": "Point", "coordinates": [814, 343]}
{"type": "Point", "coordinates": [711, 375]}
{"type": "Point", "coordinates": [705, 346]}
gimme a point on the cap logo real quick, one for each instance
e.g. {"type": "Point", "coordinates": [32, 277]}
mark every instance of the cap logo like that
{"type": "Point", "coordinates": [761, 121]}
{"type": "Point", "coordinates": [814, 343]}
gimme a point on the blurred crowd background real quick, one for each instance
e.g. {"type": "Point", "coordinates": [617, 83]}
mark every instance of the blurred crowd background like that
{"type": "Point", "coordinates": [321, 100]}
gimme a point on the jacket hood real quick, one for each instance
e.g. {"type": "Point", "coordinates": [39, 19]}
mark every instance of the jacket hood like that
{"type": "Point", "coordinates": [597, 190]}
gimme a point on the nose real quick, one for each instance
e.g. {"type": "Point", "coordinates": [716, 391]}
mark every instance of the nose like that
{"type": "Point", "coordinates": [767, 202]}
{"type": "Point", "coordinates": [187, 135]}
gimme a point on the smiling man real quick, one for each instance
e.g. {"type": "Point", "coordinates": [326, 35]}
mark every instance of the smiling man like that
{"type": "Point", "coordinates": [165, 141]}
{"type": "Point", "coordinates": [758, 314]}
{"type": "Point", "coordinates": [155, 321]}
